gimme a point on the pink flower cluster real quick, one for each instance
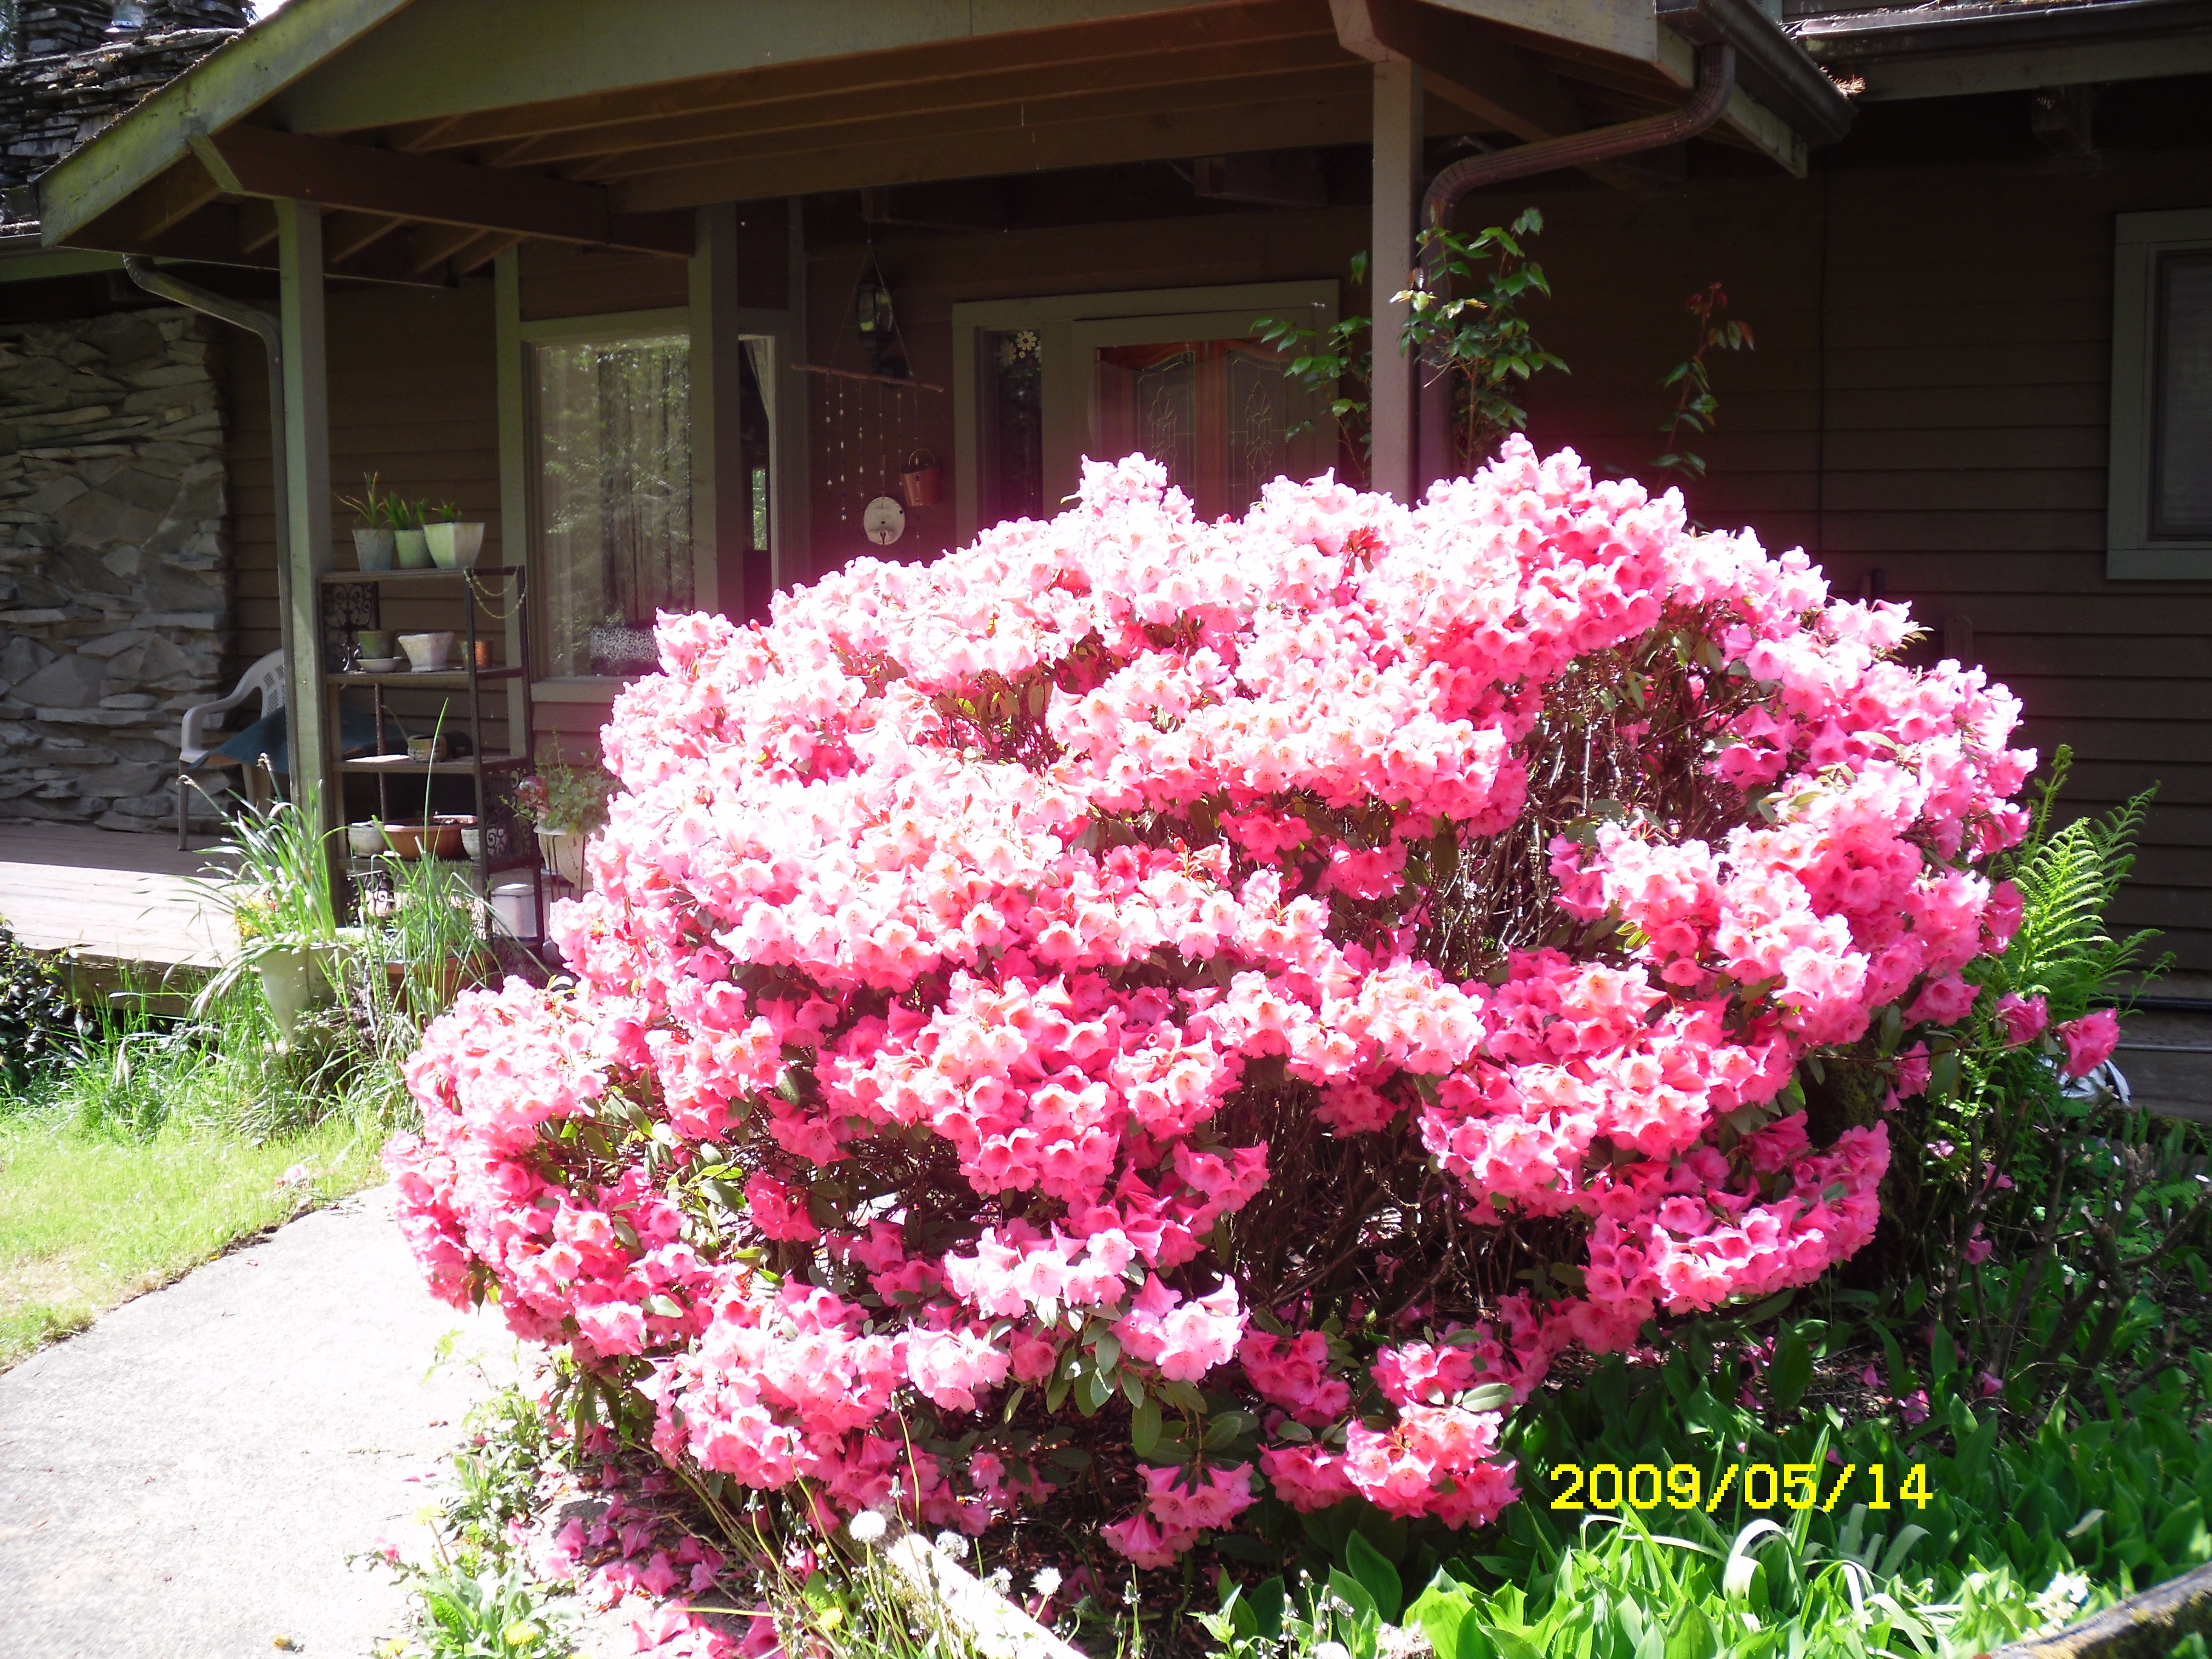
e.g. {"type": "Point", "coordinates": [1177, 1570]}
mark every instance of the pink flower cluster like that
{"type": "Point", "coordinates": [948, 926]}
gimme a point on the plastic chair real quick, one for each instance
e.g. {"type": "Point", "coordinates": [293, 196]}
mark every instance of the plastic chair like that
{"type": "Point", "coordinates": [265, 680]}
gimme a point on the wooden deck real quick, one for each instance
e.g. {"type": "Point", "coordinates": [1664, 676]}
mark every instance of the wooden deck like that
{"type": "Point", "coordinates": [109, 899]}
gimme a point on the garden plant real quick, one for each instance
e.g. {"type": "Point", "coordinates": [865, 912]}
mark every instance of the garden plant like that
{"type": "Point", "coordinates": [1252, 999]}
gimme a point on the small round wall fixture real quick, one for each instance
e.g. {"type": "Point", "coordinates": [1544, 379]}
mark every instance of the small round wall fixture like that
{"type": "Point", "coordinates": [885, 522]}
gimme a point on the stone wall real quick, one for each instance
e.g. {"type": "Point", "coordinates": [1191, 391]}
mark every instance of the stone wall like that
{"type": "Point", "coordinates": [115, 562]}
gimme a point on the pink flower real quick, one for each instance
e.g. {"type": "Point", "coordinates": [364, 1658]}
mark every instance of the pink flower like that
{"type": "Point", "coordinates": [2022, 1018]}
{"type": "Point", "coordinates": [2089, 1041]}
{"type": "Point", "coordinates": [1943, 1002]}
{"type": "Point", "coordinates": [1977, 1248]}
{"type": "Point", "coordinates": [1146, 1543]}
{"type": "Point", "coordinates": [1197, 1500]}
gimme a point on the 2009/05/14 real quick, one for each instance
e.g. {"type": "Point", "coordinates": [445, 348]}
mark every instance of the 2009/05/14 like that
{"type": "Point", "coordinates": [1603, 1487]}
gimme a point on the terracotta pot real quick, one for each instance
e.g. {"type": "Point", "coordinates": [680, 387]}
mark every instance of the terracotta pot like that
{"type": "Point", "coordinates": [442, 840]}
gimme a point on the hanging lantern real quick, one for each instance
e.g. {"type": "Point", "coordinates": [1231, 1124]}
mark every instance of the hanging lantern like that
{"type": "Point", "coordinates": [872, 301]}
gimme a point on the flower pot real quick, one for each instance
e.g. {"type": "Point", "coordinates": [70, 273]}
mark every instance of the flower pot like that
{"type": "Point", "coordinates": [373, 550]}
{"type": "Point", "coordinates": [417, 841]}
{"type": "Point", "coordinates": [377, 643]}
{"type": "Point", "coordinates": [366, 839]}
{"type": "Point", "coordinates": [564, 857]}
{"type": "Point", "coordinates": [454, 546]}
{"type": "Point", "coordinates": [428, 653]}
{"type": "Point", "coordinates": [412, 550]}
{"type": "Point", "coordinates": [922, 480]}
{"type": "Point", "coordinates": [292, 982]}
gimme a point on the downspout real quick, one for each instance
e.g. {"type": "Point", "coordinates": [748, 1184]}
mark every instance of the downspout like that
{"type": "Point", "coordinates": [238, 314]}
{"type": "Point", "coordinates": [1707, 102]}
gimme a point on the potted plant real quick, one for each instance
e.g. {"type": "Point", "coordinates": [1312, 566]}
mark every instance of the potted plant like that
{"type": "Point", "coordinates": [454, 542]}
{"type": "Point", "coordinates": [412, 545]}
{"type": "Point", "coordinates": [374, 546]}
{"type": "Point", "coordinates": [279, 901]}
{"type": "Point", "coordinates": [567, 803]}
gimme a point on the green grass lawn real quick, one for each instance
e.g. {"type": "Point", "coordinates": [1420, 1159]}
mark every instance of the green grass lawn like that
{"type": "Point", "coordinates": [87, 1223]}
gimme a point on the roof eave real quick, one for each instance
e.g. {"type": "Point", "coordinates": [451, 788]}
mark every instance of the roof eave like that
{"type": "Point", "coordinates": [218, 90]}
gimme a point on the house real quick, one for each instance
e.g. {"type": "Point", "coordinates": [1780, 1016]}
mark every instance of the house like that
{"type": "Point", "coordinates": [672, 295]}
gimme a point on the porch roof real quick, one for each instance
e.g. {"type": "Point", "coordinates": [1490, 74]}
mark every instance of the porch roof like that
{"type": "Point", "coordinates": [436, 133]}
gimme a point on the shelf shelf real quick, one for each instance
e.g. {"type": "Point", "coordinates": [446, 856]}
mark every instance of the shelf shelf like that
{"type": "Point", "coordinates": [431, 575]}
{"type": "Point", "coordinates": [450, 678]}
{"type": "Point", "coordinates": [401, 766]}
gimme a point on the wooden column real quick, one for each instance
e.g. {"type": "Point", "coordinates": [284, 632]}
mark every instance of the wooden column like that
{"type": "Point", "coordinates": [305, 539]}
{"type": "Point", "coordinates": [517, 541]}
{"type": "Point", "coordinates": [1399, 177]}
{"type": "Point", "coordinates": [719, 534]}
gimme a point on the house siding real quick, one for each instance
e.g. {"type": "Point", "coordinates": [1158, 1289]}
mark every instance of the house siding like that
{"type": "Point", "coordinates": [1928, 399]}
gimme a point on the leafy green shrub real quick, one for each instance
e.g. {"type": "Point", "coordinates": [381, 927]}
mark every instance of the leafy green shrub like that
{"type": "Point", "coordinates": [41, 1025]}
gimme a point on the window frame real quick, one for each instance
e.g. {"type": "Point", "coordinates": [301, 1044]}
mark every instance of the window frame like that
{"type": "Point", "coordinates": [1067, 325]}
{"type": "Point", "coordinates": [2131, 553]}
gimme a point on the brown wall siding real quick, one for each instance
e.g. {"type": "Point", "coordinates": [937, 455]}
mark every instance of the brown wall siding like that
{"type": "Point", "coordinates": [1968, 360]}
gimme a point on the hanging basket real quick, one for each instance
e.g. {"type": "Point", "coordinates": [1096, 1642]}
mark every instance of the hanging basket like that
{"type": "Point", "coordinates": [922, 480]}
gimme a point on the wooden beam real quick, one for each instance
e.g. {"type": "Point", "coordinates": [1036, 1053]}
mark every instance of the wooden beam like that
{"type": "Point", "coordinates": [482, 251]}
{"type": "Point", "coordinates": [1121, 76]}
{"type": "Point", "coordinates": [306, 551]}
{"type": "Point", "coordinates": [1337, 118]}
{"type": "Point", "coordinates": [151, 139]}
{"type": "Point", "coordinates": [432, 245]}
{"type": "Point", "coordinates": [345, 235]}
{"type": "Point", "coordinates": [479, 56]}
{"type": "Point", "coordinates": [1399, 174]}
{"type": "Point", "coordinates": [260, 161]}
{"type": "Point", "coordinates": [257, 225]}
{"type": "Point", "coordinates": [1018, 115]}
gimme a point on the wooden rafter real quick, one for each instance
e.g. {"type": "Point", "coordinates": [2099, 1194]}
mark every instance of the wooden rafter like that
{"type": "Point", "coordinates": [1336, 118]}
{"type": "Point", "coordinates": [347, 235]}
{"type": "Point", "coordinates": [1012, 117]}
{"type": "Point", "coordinates": [259, 162]}
{"type": "Point", "coordinates": [1218, 30]}
{"type": "Point", "coordinates": [1031, 85]}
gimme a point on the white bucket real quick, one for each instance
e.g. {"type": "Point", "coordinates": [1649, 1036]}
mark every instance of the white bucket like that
{"type": "Point", "coordinates": [515, 904]}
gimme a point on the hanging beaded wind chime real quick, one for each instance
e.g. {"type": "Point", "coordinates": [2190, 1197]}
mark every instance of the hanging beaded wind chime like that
{"type": "Point", "coordinates": [872, 419]}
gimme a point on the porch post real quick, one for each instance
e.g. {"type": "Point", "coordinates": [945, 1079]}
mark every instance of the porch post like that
{"type": "Point", "coordinates": [720, 532]}
{"type": "Point", "coordinates": [1398, 180]}
{"type": "Point", "coordinates": [304, 541]}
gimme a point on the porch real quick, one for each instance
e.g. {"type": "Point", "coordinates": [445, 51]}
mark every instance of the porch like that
{"type": "Point", "coordinates": [111, 901]}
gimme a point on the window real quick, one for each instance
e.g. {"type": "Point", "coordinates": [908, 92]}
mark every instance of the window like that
{"type": "Point", "coordinates": [1178, 374]}
{"type": "Point", "coordinates": [2160, 488]}
{"type": "Point", "coordinates": [610, 437]}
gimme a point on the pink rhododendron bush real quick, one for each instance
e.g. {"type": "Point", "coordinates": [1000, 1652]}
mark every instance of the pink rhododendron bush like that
{"type": "Point", "coordinates": [1272, 986]}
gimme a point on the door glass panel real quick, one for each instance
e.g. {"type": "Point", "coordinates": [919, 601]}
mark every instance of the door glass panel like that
{"type": "Point", "coordinates": [1213, 412]}
{"type": "Point", "coordinates": [1012, 473]}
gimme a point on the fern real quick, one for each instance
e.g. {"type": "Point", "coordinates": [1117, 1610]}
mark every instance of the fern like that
{"type": "Point", "coordinates": [2068, 879]}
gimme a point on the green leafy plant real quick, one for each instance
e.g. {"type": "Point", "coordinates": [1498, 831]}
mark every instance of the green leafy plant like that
{"type": "Point", "coordinates": [1471, 328]}
{"type": "Point", "coordinates": [41, 1026]}
{"type": "Point", "coordinates": [559, 796]}
{"type": "Point", "coordinates": [1338, 360]}
{"type": "Point", "coordinates": [372, 506]}
{"type": "Point", "coordinates": [273, 877]}
{"type": "Point", "coordinates": [1696, 408]}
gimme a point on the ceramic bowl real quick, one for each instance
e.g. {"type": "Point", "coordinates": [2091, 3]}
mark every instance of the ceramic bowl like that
{"type": "Point", "coordinates": [383, 664]}
{"type": "Point", "coordinates": [365, 839]}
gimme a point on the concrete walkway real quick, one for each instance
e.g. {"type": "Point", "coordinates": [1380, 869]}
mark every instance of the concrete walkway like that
{"type": "Point", "coordinates": [185, 1480]}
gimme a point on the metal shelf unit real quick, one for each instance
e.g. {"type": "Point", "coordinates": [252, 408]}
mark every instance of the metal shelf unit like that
{"type": "Point", "coordinates": [493, 593]}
